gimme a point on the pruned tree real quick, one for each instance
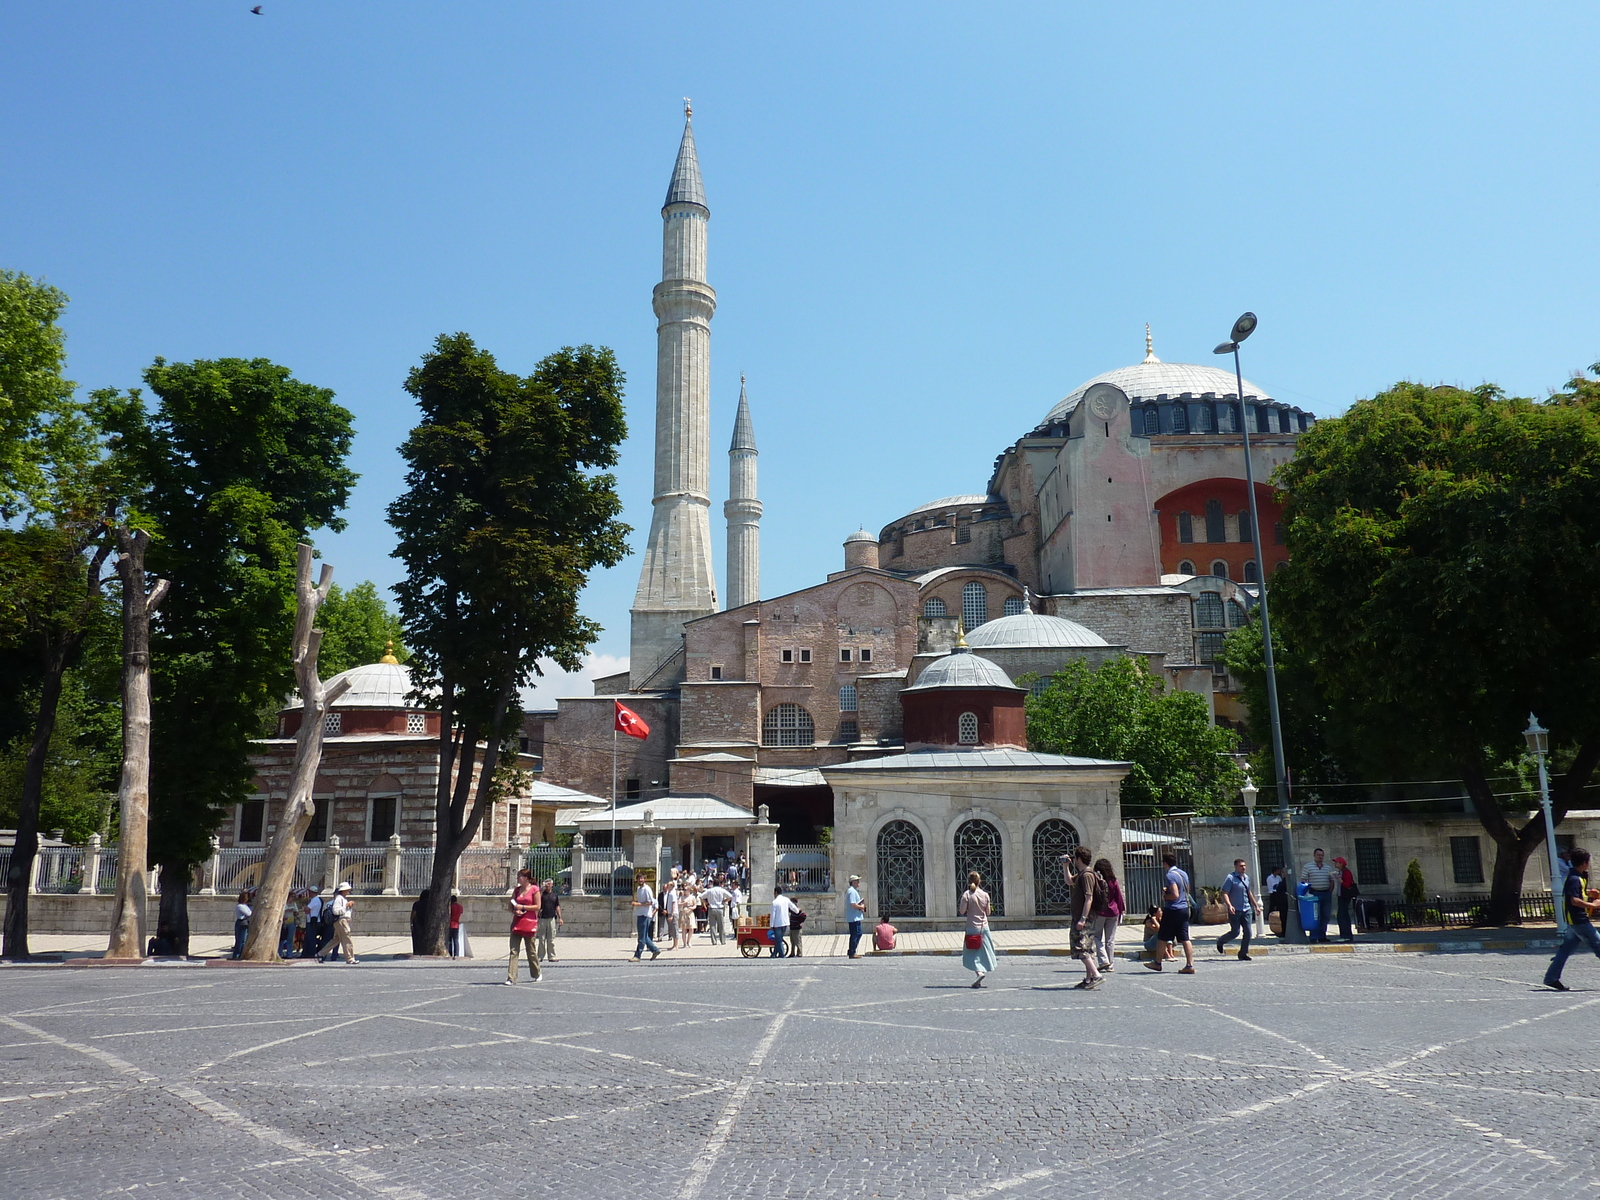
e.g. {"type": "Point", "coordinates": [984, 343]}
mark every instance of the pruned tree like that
{"type": "Point", "coordinates": [265, 920]}
{"type": "Point", "coordinates": [130, 906]}
{"type": "Point", "coordinates": [503, 517]}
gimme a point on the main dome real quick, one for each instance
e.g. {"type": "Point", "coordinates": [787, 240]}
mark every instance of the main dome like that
{"type": "Point", "coordinates": [1147, 380]}
{"type": "Point", "coordinates": [1032, 631]}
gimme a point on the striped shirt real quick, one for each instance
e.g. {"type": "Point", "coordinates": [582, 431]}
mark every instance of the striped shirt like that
{"type": "Point", "coordinates": [1320, 878]}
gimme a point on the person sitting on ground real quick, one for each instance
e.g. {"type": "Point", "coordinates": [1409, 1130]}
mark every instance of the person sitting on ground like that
{"type": "Point", "coordinates": [883, 935]}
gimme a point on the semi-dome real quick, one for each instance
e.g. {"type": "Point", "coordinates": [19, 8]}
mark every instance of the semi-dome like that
{"type": "Point", "coordinates": [1032, 631]}
{"type": "Point", "coordinates": [963, 669]}
{"type": "Point", "coordinates": [1149, 379]}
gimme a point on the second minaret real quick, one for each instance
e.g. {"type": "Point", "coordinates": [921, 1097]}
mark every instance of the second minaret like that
{"type": "Point", "coordinates": [743, 511]}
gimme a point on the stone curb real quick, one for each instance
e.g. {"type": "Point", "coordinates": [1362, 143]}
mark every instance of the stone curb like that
{"type": "Point", "coordinates": [1535, 944]}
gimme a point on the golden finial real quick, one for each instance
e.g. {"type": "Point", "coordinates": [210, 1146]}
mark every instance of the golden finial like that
{"type": "Point", "coordinates": [961, 639]}
{"type": "Point", "coordinates": [1149, 345]}
{"type": "Point", "coordinates": [688, 109]}
{"type": "Point", "coordinates": [388, 655]}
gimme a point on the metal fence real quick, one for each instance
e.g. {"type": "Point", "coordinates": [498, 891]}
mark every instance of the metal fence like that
{"type": "Point", "coordinates": [607, 873]}
{"type": "Point", "coordinates": [481, 872]}
{"type": "Point", "coordinates": [550, 862]}
{"type": "Point", "coordinates": [1143, 874]}
{"type": "Point", "coordinates": [106, 881]}
{"type": "Point", "coordinates": [416, 871]}
{"type": "Point", "coordinates": [805, 869]}
{"type": "Point", "coordinates": [61, 868]}
{"type": "Point", "coordinates": [1449, 912]}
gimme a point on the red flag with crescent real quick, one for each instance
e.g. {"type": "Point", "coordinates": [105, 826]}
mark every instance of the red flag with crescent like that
{"type": "Point", "coordinates": [630, 722]}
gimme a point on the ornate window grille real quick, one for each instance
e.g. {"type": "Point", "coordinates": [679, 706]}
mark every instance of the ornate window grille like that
{"type": "Point", "coordinates": [977, 846]}
{"type": "Point", "coordinates": [332, 723]}
{"type": "Point", "coordinates": [901, 871]}
{"type": "Point", "coordinates": [1014, 607]}
{"type": "Point", "coordinates": [974, 606]}
{"type": "Point", "coordinates": [1051, 895]}
{"type": "Point", "coordinates": [967, 729]}
{"type": "Point", "coordinates": [847, 698]}
{"type": "Point", "coordinates": [787, 725]}
{"type": "Point", "coordinates": [934, 607]}
{"type": "Point", "coordinates": [416, 723]}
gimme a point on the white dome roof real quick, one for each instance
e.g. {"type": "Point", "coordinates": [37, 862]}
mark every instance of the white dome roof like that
{"type": "Point", "coordinates": [1031, 630]}
{"type": "Point", "coordinates": [376, 685]}
{"type": "Point", "coordinates": [1147, 380]}
{"type": "Point", "coordinates": [860, 535]}
{"type": "Point", "coordinates": [963, 670]}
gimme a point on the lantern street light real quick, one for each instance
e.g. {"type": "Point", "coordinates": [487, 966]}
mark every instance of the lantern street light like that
{"type": "Point", "coordinates": [1539, 744]}
{"type": "Point", "coordinates": [1243, 328]}
{"type": "Point", "coordinates": [1248, 791]}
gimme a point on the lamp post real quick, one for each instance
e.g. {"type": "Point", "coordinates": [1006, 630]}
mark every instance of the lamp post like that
{"type": "Point", "coordinates": [1248, 791]}
{"type": "Point", "coordinates": [1539, 743]}
{"type": "Point", "coordinates": [1243, 328]}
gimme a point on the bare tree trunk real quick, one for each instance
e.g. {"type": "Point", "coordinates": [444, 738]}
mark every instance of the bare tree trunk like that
{"type": "Point", "coordinates": [173, 915]}
{"type": "Point", "coordinates": [129, 911]}
{"type": "Point", "coordinates": [266, 921]}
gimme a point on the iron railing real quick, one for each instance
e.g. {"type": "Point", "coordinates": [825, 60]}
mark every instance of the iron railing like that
{"type": "Point", "coordinates": [481, 872]}
{"type": "Point", "coordinates": [805, 869]}
{"type": "Point", "coordinates": [416, 871]}
{"type": "Point", "coordinates": [1463, 911]}
{"type": "Point", "coordinates": [607, 873]}
{"type": "Point", "coordinates": [1144, 843]}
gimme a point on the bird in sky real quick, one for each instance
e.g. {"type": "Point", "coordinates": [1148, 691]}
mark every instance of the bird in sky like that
{"type": "Point", "coordinates": [256, 10]}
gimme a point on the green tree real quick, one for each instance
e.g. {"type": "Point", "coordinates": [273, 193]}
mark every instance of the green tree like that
{"type": "Point", "coordinates": [357, 628]}
{"type": "Point", "coordinates": [235, 464]}
{"type": "Point", "coordinates": [1442, 586]}
{"type": "Point", "coordinates": [503, 518]}
{"type": "Point", "coordinates": [34, 396]}
{"type": "Point", "coordinates": [1181, 761]}
{"type": "Point", "coordinates": [1414, 890]}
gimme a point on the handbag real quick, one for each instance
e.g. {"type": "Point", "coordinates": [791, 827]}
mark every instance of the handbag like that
{"type": "Point", "coordinates": [974, 941]}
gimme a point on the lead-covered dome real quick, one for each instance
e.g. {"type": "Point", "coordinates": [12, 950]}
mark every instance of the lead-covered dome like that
{"type": "Point", "coordinates": [1031, 631]}
{"type": "Point", "coordinates": [375, 685]}
{"type": "Point", "coordinates": [1149, 379]}
{"type": "Point", "coordinates": [963, 669]}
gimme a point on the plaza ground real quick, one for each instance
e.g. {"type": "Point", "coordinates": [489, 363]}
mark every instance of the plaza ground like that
{"type": "Point", "coordinates": [1296, 1075]}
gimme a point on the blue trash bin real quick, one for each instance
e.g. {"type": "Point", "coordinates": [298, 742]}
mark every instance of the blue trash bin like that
{"type": "Point", "coordinates": [1308, 906]}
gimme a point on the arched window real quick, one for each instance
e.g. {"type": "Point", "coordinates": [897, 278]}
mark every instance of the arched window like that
{"type": "Point", "coordinates": [1052, 895]}
{"type": "Point", "coordinates": [1152, 422]}
{"type": "Point", "coordinates": [1041, 685]}
{"type": "Point", "coordinates": [974, 606]}
{"type": "Point", "coordinates": [967, 729]}
{"type": "Point", "coordinates": [1236, 615]}
{"type": "Point", "coordinates": [1227, 418]}
{"type": "Point", "coordinates": [1180, 420]}
{"type": "Point", "coordinates": [933, 607]}
{"type": "Point", "coordinates": [901, 874]}
{"type": "Point", "coordinates": [1278, 566]}
{"type": "Point", "coordinates": [847, 698]}
{"type": "Point", "coordinates": [1245, 530]}
{"type": "Point", "coordinates": [977, 846]}
{"type": "Point", "coordinates": [1251, 575]}
{"type": "Point", "coordinates": [1208, 610]}
{"type": "Point", "coordinates": [1186, 567]}
{"type": "Point", "coordinates": [1014, 606]}
{"type": "Point", "coordinates": [1200, 418]}
{"type": "Point", "coordinates": [787, 725]}
{"type": "Point", "coordinates": [1216, 523]}
{"type": "Point", "coordinates": [1219, 569]}
{"type": "Point", "coordinates": [1277, 534]}
{"type": "Point", "coordinates": [1185, 527]}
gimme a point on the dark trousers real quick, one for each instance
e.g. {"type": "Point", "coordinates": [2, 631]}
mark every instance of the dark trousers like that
{"type": "Point", "coordinates": [317, 936]}
{"type": "Point", "coordinates": [855, 937]}
{"type": "Point", "coordinates": [1579, 934]}
{"type": "Point", "coordinates": [240, 929]}
{"type": "Point", "coordinates": [1346, 899]}
{"type": "Point", "coordinates": [1238, 927]}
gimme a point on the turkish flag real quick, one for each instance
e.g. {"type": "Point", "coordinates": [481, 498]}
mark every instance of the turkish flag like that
{"type": "Point", "coordinates": [630, 722]}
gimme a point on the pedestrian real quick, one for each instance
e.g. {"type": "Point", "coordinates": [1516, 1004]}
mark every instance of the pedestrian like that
{"type": "Point", "coordinates": [342, 910]}
{"type": "Point", "coordinates": [717, 900]}
{"type": "Point", "coordinates": [644, 911]}
{"type": "Point", "coordinates": [316, 931]}
{"type": "Point", "coordinates": [419, 918]}
{"type": "Point", "coordinates": [778, 924]}
{"type": "Point", "coordinates": [1152, 932]}
{"type": "Point", "coordinates": [524, 905]}
{"type": "Point", "coordinates": [1345, 885]}
{"type": "Point", "coordinates": [1174, 929]}
{"type": "Point", "coordinates": [302, 920]}
{"type": "Point", "coordinates": [1088, 891]}
{"type": "Point", "coordinates": [855, 909]}
{"type": "Point", "coordinates": [977, 949]}
{"type": "Point", "coordinates": [797, 923]}
{"type": "Point", "coordinates": [1278, 899]}
{"type": "Point", "coordinates": [669, 907]}
{"type": "Point", "coordinates": [291, 913]}
{"type": "Point", "coordinates": [1115, 907]}
{"type": "Point", "coordinates": [736, 905]}
{"type": "Point", "coordinates": [457, 937]}
{"type": "Point", "coordinates": [1581, 907]}
{"type": "Point", "coordinates": [1242, 904]}
{"type": "Point", "coordinates": [549, 918]}
{"type": "Point", "coordinates": [241, 923]}
{"type": "Point", "coordinates": [883, 934]}
{"type": "Point", "coordinates": [1321, 878]}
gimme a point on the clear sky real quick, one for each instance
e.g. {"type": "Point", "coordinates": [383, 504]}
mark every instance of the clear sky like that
{"type": "Point", "coordinates": [928, 222]}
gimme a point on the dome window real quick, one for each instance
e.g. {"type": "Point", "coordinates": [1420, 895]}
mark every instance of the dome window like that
{"type": "Point", "coordinates": [1152, 422]}
{"type": "Point", "coordinates": [1227, 418]}
{"type": "Point", "coordinates": [1180, 419]}
{"type": "Point", "coordinates": [934, 607]}
{"type": "Point", "coordinates": [967, 729]}
{"type": "Point", "coordinates": [787, 725]}
{"type": "Point", "coordinates": [974, 606]}
{"type": "Point", "coordinates": [1014, 607]}
{"type": "Point", "coordinates": [1200, 418]}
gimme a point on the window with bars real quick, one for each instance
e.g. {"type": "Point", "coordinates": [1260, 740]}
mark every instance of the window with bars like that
{"type": "Point", "coordinates": [1185, 527]}
{"type": "Point", "coordinates": [317, 831]}
{"type": "Point", "coordinates": [847, 698]}
{"type": "Point", "coordinates": [1210, 645]}
{"type": "Point", "coordinates": [1014, 607]}
{"type": "Point", "coordinates": [1208, 610]}
{"type": "Point", "coordinates": [1216, 522]}
{"type": "Point", "coordinates": [1370, 865]}
{"type": "Point", "coordinates": [967, 729]}
{"type": "Point", "coordinates": [963, 533]}
{"type": "Point", "coordinates": [1180, 419]}
{"type": "Point", "coordinates": [1152, 422]}
{"type": "Point", "coordinates": [1200, 418]}
{"type": "Point", "coordinates": [1227, 419]}
{"type": "Point", "coordinates": [1236, 615]}
{"type": "Point", "coordinates": [1039, 686]}
{"type": "Point", "coordinates": [1271, 851]}
{"type": "Point", "coordinates": [974, 606]}
{"type": "Point", "coordinates": [849, 731]}
{"type": "Point", "coordinates": [787, 725]}
{"type": "Point", "coordinates": [381, 820]}
{"type": "Point", "coordinates": [1466, 860]}
{"type": "Point", "coordinates": [418, 723]}
{"type": "Point", "coordinates": [1186, 567]}
{"type": "Point", "coordinates": [934, 607]}
{"type": "Point", "coordinates": [1246, 530]}
{"type": "Point", "coordinates": [332, 723]}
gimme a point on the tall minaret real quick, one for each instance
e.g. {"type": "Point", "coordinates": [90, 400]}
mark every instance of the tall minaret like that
{"type": "Point", "coordinates": [676, 583]}
{"type": "Point", "coordinates": [743, 511]}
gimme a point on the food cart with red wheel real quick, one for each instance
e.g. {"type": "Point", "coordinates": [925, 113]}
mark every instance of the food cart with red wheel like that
{"type": "Point", "coordinates": [753, 936]}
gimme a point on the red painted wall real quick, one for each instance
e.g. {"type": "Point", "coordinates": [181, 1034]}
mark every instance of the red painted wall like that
{"type": "Point", "coordinates": [932, 718]}
{"type": "Point", "coordinates": [1231, 492]}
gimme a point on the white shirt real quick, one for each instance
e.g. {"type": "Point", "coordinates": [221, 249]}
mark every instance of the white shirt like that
{"type": "Point", "coordinates": [644, 901]}
{"type": "Point", "coordinates": [341, 907]}
{"type": "Point", "coordinates": [241, 912]}
{"type": "Point", "coordinates": [782, 906]}
{"type": "Point", "coordinates": [717, 898]}
{"type": "Point", "coordinates": [314, 909]}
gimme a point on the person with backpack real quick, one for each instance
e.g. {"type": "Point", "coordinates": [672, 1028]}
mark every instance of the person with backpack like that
{"type": "Point", "coordinates": [1090, 900]}
{"type": "Point", "coordinates": [524, 926]}
{"type": "Point", "coordinates": [1116, 906]}
{"type": "Point", "coordinates": [316, 932]}
{"type": "Point", "coordinates": [1174, 930]}
{"type": "Point", "coordinates": [340, 909]}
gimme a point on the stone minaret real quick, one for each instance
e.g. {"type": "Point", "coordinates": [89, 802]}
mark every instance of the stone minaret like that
{"type": "Point", "coordinates": [743, 511]}
{"type": "Point", "coordinates": [676, 583]}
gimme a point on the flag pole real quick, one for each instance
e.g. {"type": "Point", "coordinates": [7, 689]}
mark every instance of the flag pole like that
{"type": "Point", "coordinates": [611, 887]}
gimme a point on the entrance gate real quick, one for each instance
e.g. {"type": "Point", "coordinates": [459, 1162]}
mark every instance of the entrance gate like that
{"type": "Point", "coordinates": [1143, 844]}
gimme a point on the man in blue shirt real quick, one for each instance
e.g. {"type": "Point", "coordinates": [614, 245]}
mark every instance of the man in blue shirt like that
{"type": "Point", "coordinates": [1580, 918]}
{"type": "Point", "coordinates": [1174, 917]}
{"type": "Point", "coordinates": [855, 908]}
{"type": "Point", "coordinates": [1242, 903]}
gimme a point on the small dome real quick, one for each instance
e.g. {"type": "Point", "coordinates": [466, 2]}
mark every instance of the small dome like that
{"type": "Point", "coordinates": [963, 669]}
{"type": "Point", "coordinates": [376, 685]}
{"type": "Point", "coordinates": [860, 535]}
{"type": "Point", "coordinates": [1032, 631]}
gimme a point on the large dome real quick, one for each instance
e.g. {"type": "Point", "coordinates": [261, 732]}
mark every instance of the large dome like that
{"type": "Point", "coordinates": [1147, 380]}
{"type": "Point", "coordinates": [963, 670]}
{"type": "Point", "coordinates": [1032, 631]}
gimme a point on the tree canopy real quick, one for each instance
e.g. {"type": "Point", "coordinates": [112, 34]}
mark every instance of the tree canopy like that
{"type": "Point", "coordinates": [1182, 763]}
{"type": "Point", "coordinates": [357, 628]}
{"type": "Point", "coordinates": [34, 395]}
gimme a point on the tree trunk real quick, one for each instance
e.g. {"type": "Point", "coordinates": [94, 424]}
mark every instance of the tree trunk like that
{"type": "Point", "coordinates": [266, 919]}
{"type": "Point", "coordinates": [1510, 861]}
{"type": "Point", "coordinates": [173, 916]}
{"type": "Point", "coordinates": [130, 908]}
{"type": "Point", "coordinates": [26, 848]}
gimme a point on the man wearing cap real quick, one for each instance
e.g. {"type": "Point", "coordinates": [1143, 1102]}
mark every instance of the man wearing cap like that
{"type": "Point", "coordinates": [855, 907]}
{"type": "Point", "coordinates": [341, 927]}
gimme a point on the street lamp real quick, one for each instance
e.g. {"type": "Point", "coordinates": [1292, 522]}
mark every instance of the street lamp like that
{"type": "Point", "coordinates": [1539, 744]}
{"type": "Point", "coordinates": [1243, 328]}
{"type": "Point", "coordinates": [1248, 791]}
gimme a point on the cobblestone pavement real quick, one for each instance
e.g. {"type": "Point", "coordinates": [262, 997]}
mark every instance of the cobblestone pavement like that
{"type": "Point", "coordinates": [1379, 1076]}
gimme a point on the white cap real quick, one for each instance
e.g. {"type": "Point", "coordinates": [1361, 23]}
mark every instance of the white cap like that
{"type": "Point", "coordinates": [344, 887]}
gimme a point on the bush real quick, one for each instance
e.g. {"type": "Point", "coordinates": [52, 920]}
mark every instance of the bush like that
{"type": "Point", "coordinates": [1415, 891]}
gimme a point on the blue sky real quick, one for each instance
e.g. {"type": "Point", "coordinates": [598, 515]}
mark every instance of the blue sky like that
{"type": "Point", "coordinates": [929, 222]}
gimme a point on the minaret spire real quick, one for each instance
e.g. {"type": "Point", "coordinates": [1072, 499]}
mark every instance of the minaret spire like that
{"type": "Point", "coordinates": [676, 583]}
{"type": "Point", "coordinates": [743, 510]}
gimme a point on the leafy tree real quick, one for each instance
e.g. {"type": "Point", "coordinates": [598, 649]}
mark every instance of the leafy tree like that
{"type": "Point", "coordinates": [235, 464]}
{"type": "Point", "coordinates": [502, 521]}
{"type": "Point", "coordinates": [34, 395]}
{"type": "Point", "coordinates": [1181, 761]}
{"type": "Point", "coordinates": [1415, 890]}
{"type": "Point", "coordinates": [1442, 585]}
{"type": "Point", "coordinates": [358, 628]}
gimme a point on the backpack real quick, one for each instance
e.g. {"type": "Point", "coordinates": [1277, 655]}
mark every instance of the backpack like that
{"type": "Point", "coordinates": [328, 919]}
{"type": "Point", "coordinates": [1101, 905]}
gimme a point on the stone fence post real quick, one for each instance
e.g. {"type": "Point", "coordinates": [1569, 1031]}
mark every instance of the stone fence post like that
{"type": "Point", "coordinates": [330, 874]}
{"type": "Point", "coordinates": [213, 868]}
{"type": "Point", "coordinates": [91, 864]}
{"type": "Point", "coordinates": [391, 867]}
{"type": "Point", "coordinates": [763, 860]}
{"type": "Point", "coordinates": [513, 864]}
{"type": "Point", "coordinates": [34, 881]}
{"type": "Point", "coordinates": [575, 870]}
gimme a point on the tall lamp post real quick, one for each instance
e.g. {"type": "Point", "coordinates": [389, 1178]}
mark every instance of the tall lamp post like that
{"type": "Point", "coordinates": [1539, 742]}
{"type": "Point", "coordinates": [1243, 328]}
{"type": "Point", "coordinates": [1248, 791]}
